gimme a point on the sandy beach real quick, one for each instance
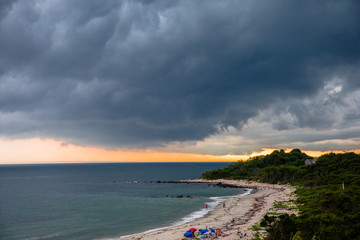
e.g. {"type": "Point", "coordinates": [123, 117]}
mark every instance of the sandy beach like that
{"type": "Point", "coordinates": [245, 210]}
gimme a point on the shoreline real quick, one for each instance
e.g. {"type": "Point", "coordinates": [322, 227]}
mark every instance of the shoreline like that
{"type": "Point", "coordinates": [246, 210]}
{"type": "Point", "coordinates": [182, 221]}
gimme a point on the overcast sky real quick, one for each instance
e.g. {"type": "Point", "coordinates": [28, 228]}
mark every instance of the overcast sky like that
{"type": "Point", "coordinates": [212, 77]}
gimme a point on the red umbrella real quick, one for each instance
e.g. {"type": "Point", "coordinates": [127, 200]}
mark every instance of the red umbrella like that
{"type": "Point", "coordinates": [192, 230]}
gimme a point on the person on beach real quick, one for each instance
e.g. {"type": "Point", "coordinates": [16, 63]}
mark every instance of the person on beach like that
{"type": "Point", "coordinates": [240, 233]}
{"type": "Point", "coordinates": [223, 204]}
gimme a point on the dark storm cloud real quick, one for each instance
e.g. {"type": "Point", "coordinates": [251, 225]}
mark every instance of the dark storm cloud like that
{"type": "Point", "coordinates": [139, 73]}
{"type": "Point", "coordinates": [5, 6]}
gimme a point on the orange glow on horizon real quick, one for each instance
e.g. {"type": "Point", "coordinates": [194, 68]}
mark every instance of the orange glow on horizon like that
{"type": "Point", "coordinates": [29, 151]}
{"type": "Point", "coordinates": [311, 153]}
{"type": "Point", "coordinates": [34, 151]}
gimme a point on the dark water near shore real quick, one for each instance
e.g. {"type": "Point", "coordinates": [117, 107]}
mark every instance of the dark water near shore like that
{"type": "Point", "coordinates": [101, 201]}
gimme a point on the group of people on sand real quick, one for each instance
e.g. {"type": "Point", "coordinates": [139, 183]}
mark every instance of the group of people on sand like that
{"type": "Point", "coordinates": [212, 233]}
{"type": "Point", "coordinates": [205, 233]}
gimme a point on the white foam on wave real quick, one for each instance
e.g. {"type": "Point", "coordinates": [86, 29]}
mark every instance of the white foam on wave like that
{"type": "Point", "coordinates": [198, 214]}
{"type": "Point", "coordinates": [211, 206]}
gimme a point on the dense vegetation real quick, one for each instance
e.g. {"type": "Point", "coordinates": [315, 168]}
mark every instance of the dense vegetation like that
{"type": "Point", "coordinates": [327, 210]}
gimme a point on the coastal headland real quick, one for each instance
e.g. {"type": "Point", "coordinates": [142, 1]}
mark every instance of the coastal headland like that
{"type": "Point", "coordinates": [238, 212]}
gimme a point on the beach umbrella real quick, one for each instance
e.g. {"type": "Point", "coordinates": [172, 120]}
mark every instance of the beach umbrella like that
{"type": "Point", "coordinates": [188, 234]}
{"type": "Point", "coordinates": [203, 230]}
{"type": "Point", "coordinates": [192, 230]}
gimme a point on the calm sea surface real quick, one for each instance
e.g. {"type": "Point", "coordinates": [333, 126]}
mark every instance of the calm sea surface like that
{"type": "Point", "coordinates": [101, 201]}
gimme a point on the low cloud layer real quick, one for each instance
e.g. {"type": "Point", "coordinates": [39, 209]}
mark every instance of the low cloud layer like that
{"type": "Point", "coordinates": [149, 73]}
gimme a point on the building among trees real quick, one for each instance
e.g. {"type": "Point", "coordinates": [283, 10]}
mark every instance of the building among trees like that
{"type": "Point", "coordinates": [310, 161]}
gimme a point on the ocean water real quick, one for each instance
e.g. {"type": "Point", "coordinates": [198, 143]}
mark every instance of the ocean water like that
{"type": "Point", "coordinates": [101, 201]}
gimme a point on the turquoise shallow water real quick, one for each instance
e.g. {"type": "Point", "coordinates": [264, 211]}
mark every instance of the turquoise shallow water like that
{"type": "Point", "coordinates": [100, 201]}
